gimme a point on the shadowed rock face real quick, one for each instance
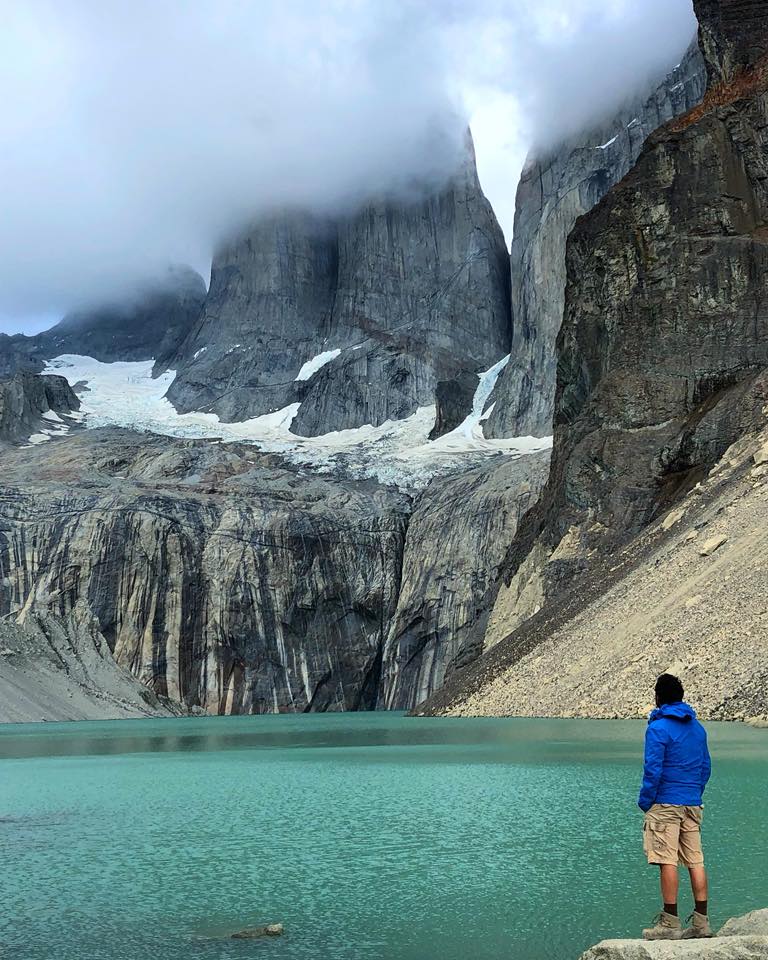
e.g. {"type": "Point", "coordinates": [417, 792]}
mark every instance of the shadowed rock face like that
{"type": "Point", "coordinates": [25, 398]}
{"type": "Point", "coordinates": [410, 293]}
{"type": "Point", "coordinates": [732, 34]}
{"type": "Point", "coordinates": [666, 326]}
{"type": "Point", "coordinates": [663, 352]}
{"type": "Point", "coordinates": [553, 193]}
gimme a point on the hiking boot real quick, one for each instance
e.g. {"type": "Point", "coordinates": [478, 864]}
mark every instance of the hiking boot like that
{"type": "Point", "coordinates": [699, 928]}
{"type": "Point", "coordinates": [666, 927]}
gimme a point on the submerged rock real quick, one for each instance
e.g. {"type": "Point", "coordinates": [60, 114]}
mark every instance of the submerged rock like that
{"type": "Point", "coordinates": [256, 933]}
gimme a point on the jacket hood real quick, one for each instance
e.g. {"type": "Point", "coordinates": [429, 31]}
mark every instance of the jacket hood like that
{"type": "Point", "coordinates": [674, 711]}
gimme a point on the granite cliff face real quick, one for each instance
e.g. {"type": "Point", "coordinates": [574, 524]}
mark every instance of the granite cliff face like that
{"type": "Point", "coordinates": [665, 328]}
{"type": "Point", "coordinates": [223, 580]}
{"type": "Point", "coordinates": [148, 326]}
{"type": "Point", "coordinates": [456, 541]}
{"type": "Point", "coordinates": [218, 578]}
{"type": "Point", "coordinates": [554, 191]}
{"type": "Point", "coordinates": [230, 580]}
{"type": "Point", "coordinates": [663, 353]}
{"type": "Point", "coordinates": [394, 299]}
{"type": "Point", "coordinates": [268, 311]}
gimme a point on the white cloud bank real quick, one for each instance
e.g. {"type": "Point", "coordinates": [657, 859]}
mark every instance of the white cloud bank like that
{"type": "Point", "coordinates": [136, 133]}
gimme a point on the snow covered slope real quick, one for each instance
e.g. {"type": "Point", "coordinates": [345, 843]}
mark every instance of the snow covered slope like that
{"type": "Point", "coordinates": [398, 452]}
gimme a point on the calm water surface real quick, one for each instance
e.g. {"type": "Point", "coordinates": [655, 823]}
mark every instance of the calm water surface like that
{"type": "Point", "coordinates": [371, 836]}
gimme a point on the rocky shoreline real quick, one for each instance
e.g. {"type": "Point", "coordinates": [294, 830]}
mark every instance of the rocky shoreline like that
{"type": "Point", "coordinates": [741, 938]}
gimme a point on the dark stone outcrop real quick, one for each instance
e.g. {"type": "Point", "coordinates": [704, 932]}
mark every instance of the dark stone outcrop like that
{"type": "Point", "coordinates": [553, 192]}
{"type": "Point", "coordinates": [663, 353]}
{"type": "Point", "coordinates": [732, 34]}
{"type": "Point", "coordinates": [666, 324]}
{"type": "Point", "coordinates": [409, 292]}
{"type": "Point", "coordinates": [149, 325]}
{"type": "Point", "coordinates": [18, 355]}
{"type": "Point", "coordinates": [453, 399]}
{"type": "Point", "coordinates": [25, 399]}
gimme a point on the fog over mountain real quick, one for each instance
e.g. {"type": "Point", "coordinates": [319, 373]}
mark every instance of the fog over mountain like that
{"type": "Point", "coordinates": [140, 133]}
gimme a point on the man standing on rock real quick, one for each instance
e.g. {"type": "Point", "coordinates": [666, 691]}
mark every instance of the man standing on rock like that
{"type": "Point", "coordinates": [677, 768]}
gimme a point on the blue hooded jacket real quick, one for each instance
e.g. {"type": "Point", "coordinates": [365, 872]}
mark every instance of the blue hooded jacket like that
{"type": "Point", "coordinates": [677, 764]}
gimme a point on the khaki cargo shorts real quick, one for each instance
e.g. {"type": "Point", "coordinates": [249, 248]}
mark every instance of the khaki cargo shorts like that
{"type": "Point", "coordinates": [672, 834]}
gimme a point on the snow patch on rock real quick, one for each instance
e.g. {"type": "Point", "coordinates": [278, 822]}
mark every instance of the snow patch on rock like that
{"type": "Point", "coordinates": [311, 367]}
{"type": "Point", "coordinates": [398, 452]}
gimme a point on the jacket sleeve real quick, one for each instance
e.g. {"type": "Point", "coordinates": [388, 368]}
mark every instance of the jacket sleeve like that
{"type": "Point", "coordinates": [655, 746]}
{"type": "Point", "coordinates": [706, 766]}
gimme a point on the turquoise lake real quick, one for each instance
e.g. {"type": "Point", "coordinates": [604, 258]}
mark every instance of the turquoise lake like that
{"type": "Point", "coordinates": [370, 836]}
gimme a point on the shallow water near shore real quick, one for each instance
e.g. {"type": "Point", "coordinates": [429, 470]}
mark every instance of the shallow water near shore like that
{"type": "Point", "coordinates": [370, 836]}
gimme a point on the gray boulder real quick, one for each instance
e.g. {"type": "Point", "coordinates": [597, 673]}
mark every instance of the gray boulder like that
{"type": "Point", "coordinates": [729, 948]}
{"type": "Point", "coordinates": [754, 924]}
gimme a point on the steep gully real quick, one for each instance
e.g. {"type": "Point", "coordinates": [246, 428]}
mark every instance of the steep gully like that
{"type": "Point", "coordinates": [219, 577]}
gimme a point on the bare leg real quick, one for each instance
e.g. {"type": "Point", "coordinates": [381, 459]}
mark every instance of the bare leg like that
{"type": "Point", "coordinates": [670, 882]}
{"type": "Point", "coordinates": [699, 883]}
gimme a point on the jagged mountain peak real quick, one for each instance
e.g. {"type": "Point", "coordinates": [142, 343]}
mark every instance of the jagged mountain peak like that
{"type": "Point", "coordinates": [396, 296]}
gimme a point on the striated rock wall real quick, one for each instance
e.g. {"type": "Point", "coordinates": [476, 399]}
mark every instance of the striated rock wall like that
{"type": "Point", "coordinates": [457, 538]}
{"type": "Point", "coordinates": [224, 580]}
{"type": "Point", "coordinates": [55, 668]}
{"type": "Point", "coordinates": [554, 191]}
{"type": "Point", "coordinates": [218, 578]}
{"type": "Point", "coordinates": [403, 294]}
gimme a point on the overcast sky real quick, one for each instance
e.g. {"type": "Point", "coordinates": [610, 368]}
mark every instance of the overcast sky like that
{"type": "Point", "coordinates": [137, 132]}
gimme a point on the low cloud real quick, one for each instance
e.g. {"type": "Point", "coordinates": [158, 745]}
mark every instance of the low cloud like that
{"type": "Point", "coordinates": [138, 133]}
